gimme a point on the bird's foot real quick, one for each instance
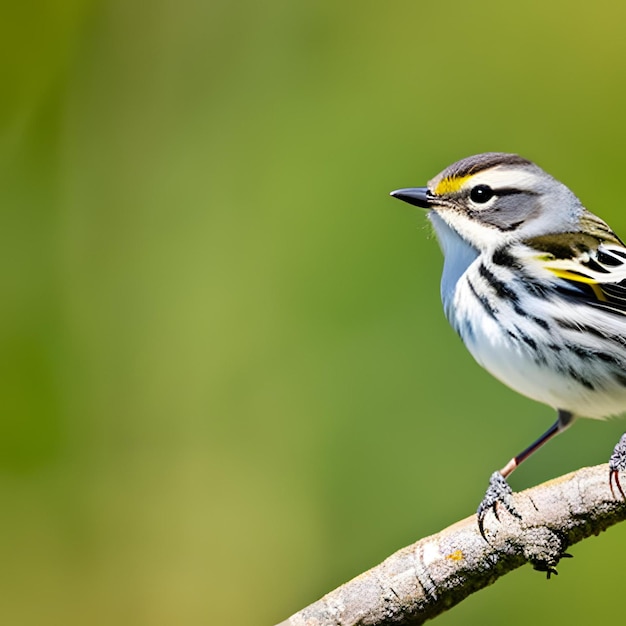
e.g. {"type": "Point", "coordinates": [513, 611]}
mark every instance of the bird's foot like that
{"type": "Point", "coordinates": [498, 493]}
{"type": "Point", "coordinates": [544, 549]}
{"type": "Point", "coordinates": [617, 464]}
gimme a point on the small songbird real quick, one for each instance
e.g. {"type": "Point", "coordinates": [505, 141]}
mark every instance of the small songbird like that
{"type": "Point", "coordinates": [535, 285]}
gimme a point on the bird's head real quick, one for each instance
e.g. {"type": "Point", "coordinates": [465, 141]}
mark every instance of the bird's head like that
{"type": "Point", "coordinates": [494, 198]}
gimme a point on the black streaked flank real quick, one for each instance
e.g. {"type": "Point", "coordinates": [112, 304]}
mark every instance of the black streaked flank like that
{"type": "Point", "coordinates": [580, 352]}
{"type": "Point", "coordinates": [579, 328]}
{"type": "Point", "coordinates": [540, 322]}
{"type": "Point", "coordinates": [526, 339]}
{"type": "Point", "coordinates": [482, 300]}
{"type": "Point", "coordinates": [608, 358]}
{"type": "Point", "coordinates": [586, 329]}
{"type": "Point", "coordinates": [503, 257]}
{"type": "Point", "coordinates": [536, 289]}
{"type": "Point", "coordinates": [518, 309]}
{"type": "Point", "coordinates": [501, 288]}
{"type": "Point", "coordinates": [579, 379]}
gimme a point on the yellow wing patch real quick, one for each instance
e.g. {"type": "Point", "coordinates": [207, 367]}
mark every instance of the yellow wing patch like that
{"type": "Point", "coordinates": [451, 184]}
{"type": "Point", "coordinates": [580, 278]}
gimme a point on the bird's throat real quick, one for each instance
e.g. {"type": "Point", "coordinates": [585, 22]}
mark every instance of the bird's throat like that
{"type": "Point", "coordinates": [458, 256]}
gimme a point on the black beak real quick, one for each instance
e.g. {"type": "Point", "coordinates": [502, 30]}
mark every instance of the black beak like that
{"type": "Point", "coordinates": [418, 196]}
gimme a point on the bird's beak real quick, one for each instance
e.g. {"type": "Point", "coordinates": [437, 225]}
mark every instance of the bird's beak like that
{"type": "Point", "coordinates": [418, 196]}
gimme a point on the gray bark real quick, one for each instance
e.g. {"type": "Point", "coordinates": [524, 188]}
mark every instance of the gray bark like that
{"type": "Point", "coordinates": [427, 578]}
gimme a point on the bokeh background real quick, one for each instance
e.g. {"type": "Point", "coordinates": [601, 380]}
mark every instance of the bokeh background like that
{"type": "Point", "coordinates": [228, 385]}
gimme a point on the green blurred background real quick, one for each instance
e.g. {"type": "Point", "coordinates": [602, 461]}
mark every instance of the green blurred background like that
{"type": "Point", "coordinates": [228, 385]}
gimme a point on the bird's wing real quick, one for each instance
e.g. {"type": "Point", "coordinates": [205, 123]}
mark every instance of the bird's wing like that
{"type": "Point", "coordinates": [591, 267]}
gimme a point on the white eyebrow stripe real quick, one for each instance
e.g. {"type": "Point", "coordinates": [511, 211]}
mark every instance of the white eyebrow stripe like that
{"type": "Point", "coordinates": [504, 178]}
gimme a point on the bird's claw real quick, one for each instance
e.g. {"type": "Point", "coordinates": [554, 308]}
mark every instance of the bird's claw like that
{"type": "Point", "coordinates": [498, 493]}
{"type": "Point", "coordinates": [617, 463]}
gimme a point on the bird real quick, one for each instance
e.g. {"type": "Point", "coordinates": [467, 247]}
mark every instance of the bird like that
{"type": "Point", "coordinates": [535, 286]}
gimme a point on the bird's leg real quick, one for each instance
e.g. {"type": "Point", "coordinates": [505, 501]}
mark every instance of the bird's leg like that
{"type": "Point", "coordinates": [617, 463]}
{"type": "Point", "coordinates": [499, 491]}
{"type": "Point", "coordinates": [564, 420]}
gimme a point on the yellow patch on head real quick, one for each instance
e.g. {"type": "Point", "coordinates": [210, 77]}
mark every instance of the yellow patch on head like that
{"type": "Point", "coordinates": [457, 555]}
{"type": "Point", "coordinates": [450, 184]}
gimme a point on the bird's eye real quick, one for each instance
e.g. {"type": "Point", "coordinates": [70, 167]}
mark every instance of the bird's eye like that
{"type": "Point", "coordinates": [481, 194]}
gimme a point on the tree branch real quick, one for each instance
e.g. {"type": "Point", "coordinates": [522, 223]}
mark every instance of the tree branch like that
{"type": "Point", "coordinates": [425, 579]}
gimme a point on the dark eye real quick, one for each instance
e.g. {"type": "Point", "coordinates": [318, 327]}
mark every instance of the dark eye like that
{"type": "Point", "coordinates": [481, 194]}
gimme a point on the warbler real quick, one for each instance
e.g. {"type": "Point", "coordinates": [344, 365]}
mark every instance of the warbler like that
{"type": "Point", "coordinates": [535, 285]}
